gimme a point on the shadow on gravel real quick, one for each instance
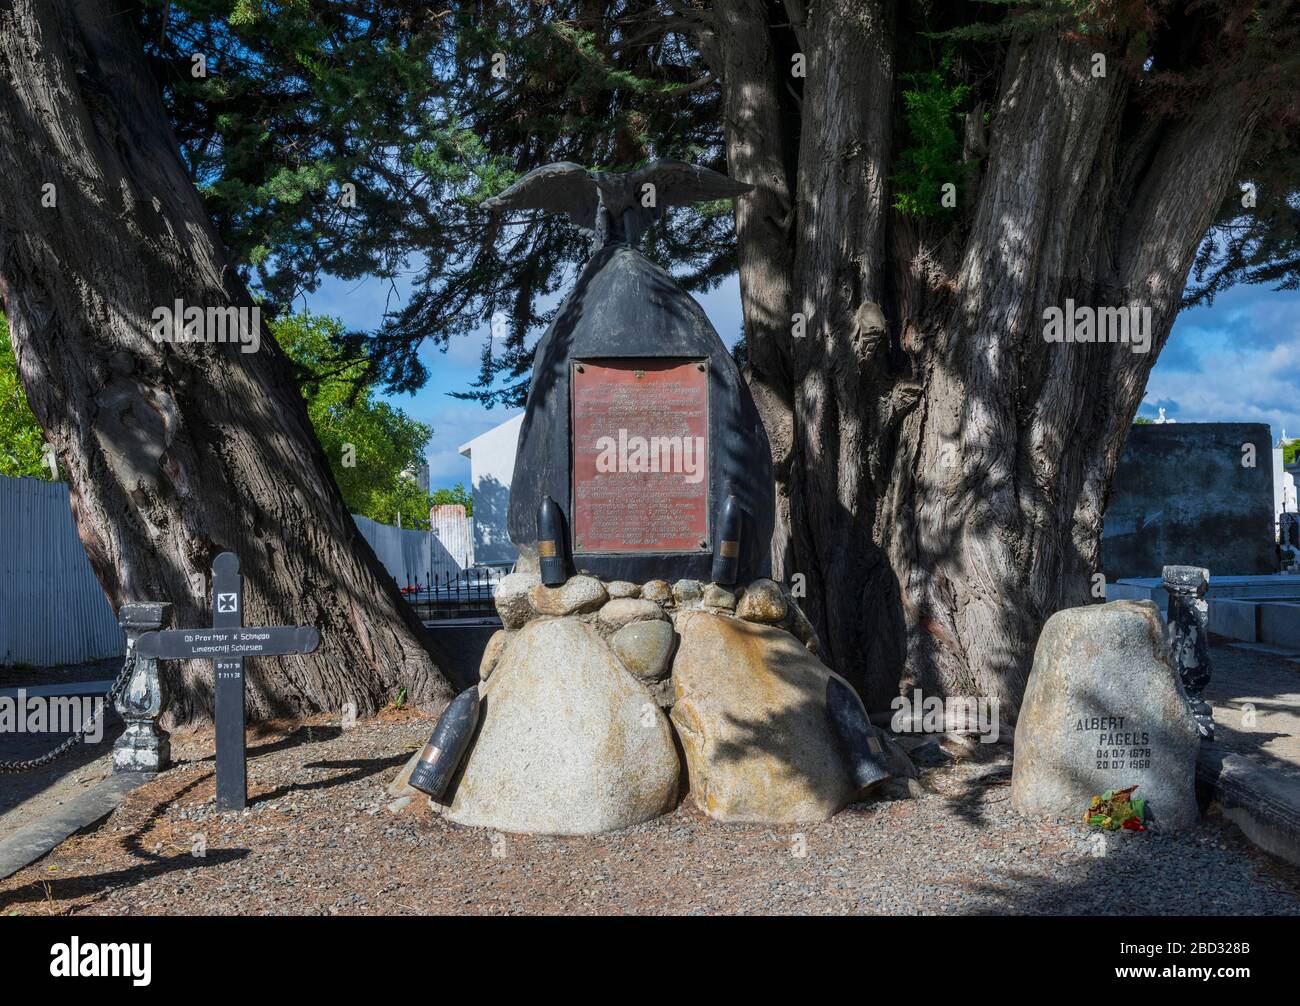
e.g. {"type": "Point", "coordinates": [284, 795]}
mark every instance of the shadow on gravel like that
{"type": "Point", "coordinates": [970, 802]}
{"type": "Point", "coordinates": [302, 735]}
{"type": "Point", "coordinates": [359, 768]}
{"type": "Point", "coordinates": [1146, 875]}
{"type": "Point", "coordinates": [307, 734]}
{"type": "Point", "coordinates": [61, 889]}
{"type": "Point", "coordinates": [152, 864]}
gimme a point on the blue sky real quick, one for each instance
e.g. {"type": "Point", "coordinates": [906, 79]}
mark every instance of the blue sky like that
{"type": "Point", "coordinates": [1237, 361]}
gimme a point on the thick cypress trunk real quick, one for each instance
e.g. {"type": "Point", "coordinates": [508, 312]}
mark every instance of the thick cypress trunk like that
{"type": "Point", "coordinates": [947, 467]}
{"type": "Point", "coordinates": [173, 452]}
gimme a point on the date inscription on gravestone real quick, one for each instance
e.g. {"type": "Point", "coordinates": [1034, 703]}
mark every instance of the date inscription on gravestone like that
{"type": "Point", "coordinates": [640, 455]}
{"type": "Point", "coordinates": [1120, 745]}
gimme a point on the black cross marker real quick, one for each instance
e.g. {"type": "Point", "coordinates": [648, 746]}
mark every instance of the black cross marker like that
{"type": "Point", "coordinates": [226, 644]}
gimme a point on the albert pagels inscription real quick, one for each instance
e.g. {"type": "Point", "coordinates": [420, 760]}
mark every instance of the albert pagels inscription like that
{"type": "Point", "coordinates": [1120, 745]}
{"type": "Point", "coordinates": [640, 455]}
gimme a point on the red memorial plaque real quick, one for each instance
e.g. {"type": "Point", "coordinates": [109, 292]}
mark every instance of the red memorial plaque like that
{"type": "Point", "coordinates": [640, 456]}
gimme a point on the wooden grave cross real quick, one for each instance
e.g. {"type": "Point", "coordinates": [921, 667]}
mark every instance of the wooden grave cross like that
{"type": "Point", "coordinates": [227, 644]}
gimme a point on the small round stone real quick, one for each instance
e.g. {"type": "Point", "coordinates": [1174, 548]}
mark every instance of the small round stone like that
{"type": "Point", "coordinates": [719, 597]}
{"type": "Point", "coordinates": [657, 591]}
{"type": "Point", "coordinates": [762, 602]}
{"type": "Point", "coordinates": [644, 648]}
{"type": "Point", "coordinates": [512, 598]}
{"type": "Point", "coordinates": [579, 594]}
{"type": "Point", "coordinates": [687, 592]}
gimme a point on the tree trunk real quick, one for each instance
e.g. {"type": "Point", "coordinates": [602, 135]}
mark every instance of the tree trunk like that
{"type": "Point", "coordinates": [173, 452]}
{"type": "Point", "coordinates": [947, 467]}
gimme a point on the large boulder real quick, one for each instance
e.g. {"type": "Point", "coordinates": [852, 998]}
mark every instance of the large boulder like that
{"type": "Point", "coordinates": [1104, 709]}
{"type": "Point", "coordinates": [492, 653]}
{"type": "Point", "coordinates": [751, 714]}
{"type": "Point", "coordinates": [568, 742]}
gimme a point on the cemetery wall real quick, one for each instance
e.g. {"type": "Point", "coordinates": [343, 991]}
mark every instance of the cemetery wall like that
{"type": "Point", "coordinates": [52, 608]}
{"type": "Point", "coordinates": [1182, 496]}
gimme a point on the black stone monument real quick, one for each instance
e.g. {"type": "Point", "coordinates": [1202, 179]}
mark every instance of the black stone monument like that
{"type": "Point", "coordinates": [639, 426]}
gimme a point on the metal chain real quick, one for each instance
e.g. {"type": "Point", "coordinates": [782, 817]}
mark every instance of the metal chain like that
{"type": "Point", "coordinates": [110, 698]}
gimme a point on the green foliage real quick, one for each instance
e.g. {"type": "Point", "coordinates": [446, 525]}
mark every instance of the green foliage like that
{"type": "Point", "coordinates": [931, 157]}
{"type": "Point", "coordinates": [368, 442]}
{"type": "Point", "coordinates": [21, 437]}
{"type": "Point", "coordinates": [1025, 17]}
{"type": "Point", "coordinates": [457, 494]}
{"type": "Point", "coordinates": [1289, 452]}
{"type": "Point", "coordinates": [1143, 421]}
{"type": "Point", "coordinates": [305, 97]}
{"type": "Point", "coordinates": [401, 101]}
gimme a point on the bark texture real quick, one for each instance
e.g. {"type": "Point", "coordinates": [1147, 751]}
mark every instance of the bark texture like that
{"type": "Point", "coordinates": [944, 468]}
{"type": "Point", "coordinates": [173, 452]}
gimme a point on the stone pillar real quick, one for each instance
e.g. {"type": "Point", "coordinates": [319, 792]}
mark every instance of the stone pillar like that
{"type": "Point", "coordinates": [144, 746]}
{"type": "Point", "coordinates": [1189, 643]}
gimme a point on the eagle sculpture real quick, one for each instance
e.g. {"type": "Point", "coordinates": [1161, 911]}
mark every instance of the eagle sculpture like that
{"type": "Point", "coordinates": [613, 207]}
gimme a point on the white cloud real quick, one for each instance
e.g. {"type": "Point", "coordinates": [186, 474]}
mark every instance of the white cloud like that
{"type": "Point", "coordinates": [1236, 381]}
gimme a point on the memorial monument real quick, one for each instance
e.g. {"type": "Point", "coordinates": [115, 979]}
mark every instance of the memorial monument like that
{"type": "Point", "coordinates": [638, 422]}
{"type": "Point", "coordinates": [640, 620]}
{"type": "Point", "coordinates": [1105, 709]}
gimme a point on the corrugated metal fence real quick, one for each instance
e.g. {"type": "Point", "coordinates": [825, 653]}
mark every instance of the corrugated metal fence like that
{"type": "Point", "coordinates": [455, 533]}
{"type": "Point", "coordinates": [52, 609]}
{"type": "Point", "coordinates": [416, 557]}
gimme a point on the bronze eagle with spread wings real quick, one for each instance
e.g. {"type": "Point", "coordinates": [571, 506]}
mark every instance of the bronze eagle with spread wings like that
{"type": "Point", "coordinates": [613, 206]}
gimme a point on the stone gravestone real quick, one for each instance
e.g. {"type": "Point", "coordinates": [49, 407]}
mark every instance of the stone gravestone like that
{"type": "Point", "coordinates": [642, 493]}
{"type": "Point", "coordinates": [227, 644]}
{"type": "Point", "coordinates": [1104, 709]}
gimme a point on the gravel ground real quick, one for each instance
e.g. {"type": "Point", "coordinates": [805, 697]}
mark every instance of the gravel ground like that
{"type": "Point", "coordinates": [320, 838]}
{"type": "Point", "coordinates": [1269, 687]}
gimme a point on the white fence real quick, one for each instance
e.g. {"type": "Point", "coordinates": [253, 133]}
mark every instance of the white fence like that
{"type": "Point", "coordinates": [52, 609]}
